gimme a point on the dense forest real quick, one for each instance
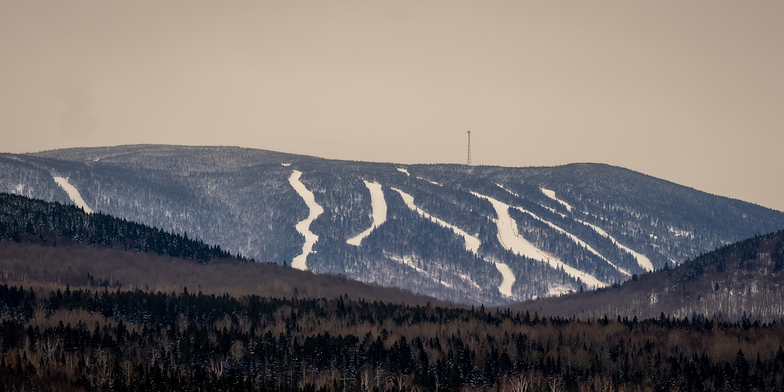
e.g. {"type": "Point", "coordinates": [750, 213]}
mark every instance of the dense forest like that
{"type": "Point", "coordinates": [22, 218]}
{"type": "Point", "coordinates": [56, 338]}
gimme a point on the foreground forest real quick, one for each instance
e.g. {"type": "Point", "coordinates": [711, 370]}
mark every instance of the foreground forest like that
{"type": "Point", "coordinates": [54, 338]}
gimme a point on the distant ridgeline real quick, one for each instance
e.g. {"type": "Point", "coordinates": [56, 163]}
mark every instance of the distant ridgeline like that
{"type": "Point", "coordinates": [28, 220]}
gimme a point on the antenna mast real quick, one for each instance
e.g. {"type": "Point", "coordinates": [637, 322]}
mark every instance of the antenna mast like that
{"type": "Point", "coordinates": [469, 148]}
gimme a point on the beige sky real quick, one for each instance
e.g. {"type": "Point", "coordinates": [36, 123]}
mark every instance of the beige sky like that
{"type": "Point", "coordinates": [688, 91]}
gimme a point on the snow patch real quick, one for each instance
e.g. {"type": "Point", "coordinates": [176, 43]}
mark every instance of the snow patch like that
{"type": "Point", "coordinates": [379, 206]}
{"type": "Point", "coordinates": [19, 189]}
{"type": "Point", "coordinates": [303, 227]}
{"type": "Point", "coordinates": [403, 170]}
{"type": "Point", "coordinates": [73, 193]}
{"type": "Point", "coordinates": [679, 233]}
{"type": "Point", "coordinates": [510, 239]}
{"type": "Point", "coordinates": [285, 164]}
{"type": "Point", "coordinates": [471, 243]}
{"type": "Point", "coordinates": [551, 194]}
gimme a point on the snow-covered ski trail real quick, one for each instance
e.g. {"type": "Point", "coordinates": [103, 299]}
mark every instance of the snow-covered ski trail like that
{"type": "Point", "coordinates": [551, 194]}
{"type": "Point", "coordinates": [379, 206]}
{"type": "Point", "coordinates": [73, 193]}
{"type": "Point", "coordinates": [472, 244]}
{"type": "Point", "coordinates": [510, 239]}
{"type": "Point", "coordinates": [303, 227]}
{"type": "Point", "coordinates": [642, 260]}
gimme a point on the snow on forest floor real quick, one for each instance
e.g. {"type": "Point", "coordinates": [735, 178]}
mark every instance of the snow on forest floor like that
{"type": "Point", "coordinates": [379, 207]}
{"type": "Point", "coordinates": [73, 193]}
{"type": "Point", "coordinates": [403, 170]}
{"type": "Point", "coordinates": [510, 239]}
{"type": "Point", "coordinates": [303, 227]}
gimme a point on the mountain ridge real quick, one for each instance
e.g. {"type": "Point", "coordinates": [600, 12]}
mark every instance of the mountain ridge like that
{"type": "Point", "coordinates": [241, 199]}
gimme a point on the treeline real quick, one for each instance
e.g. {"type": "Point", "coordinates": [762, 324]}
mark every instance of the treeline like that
{"type": "Point", "coordinates": [82, 340]}
{"type": "Point", "coordinates": [24, 219]}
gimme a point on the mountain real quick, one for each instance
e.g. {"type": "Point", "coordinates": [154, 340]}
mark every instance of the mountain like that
{"type": "Point", "coordinates": [469, 234]}
{"type": "Point", "coordinates": [737, 282]}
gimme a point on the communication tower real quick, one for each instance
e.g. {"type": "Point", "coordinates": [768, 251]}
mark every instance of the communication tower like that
{"type": "Point", "coordinates": [469, 148]}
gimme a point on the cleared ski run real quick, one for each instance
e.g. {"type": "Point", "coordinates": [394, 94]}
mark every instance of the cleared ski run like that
{"type": "Point", "coordinates": [511, 240]}
{"type": "Point", "coordinates": [303, 227]}
{"type": "Point", "coordinates": [472, 243]}
{"type": "Point", "coordinates": [379, 206]}
{"type": "Point", "coordinates": [73, 193]}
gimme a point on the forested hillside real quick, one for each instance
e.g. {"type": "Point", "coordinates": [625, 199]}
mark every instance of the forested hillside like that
{"type": "Point", "coordinates": [62, 339]}
{"type": "Point", "coordinates": [469, 234]}
{"type": "Point", "coordinates": [740, 281]}
{"type": "Point", "coordinates": [22, 218]}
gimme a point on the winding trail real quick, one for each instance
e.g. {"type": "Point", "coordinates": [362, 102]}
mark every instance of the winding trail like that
{"type": "Point", "coordinates": [510, 239]}
{"type": "Point", "coordinates": [73, 193]}
{"type": "Point", "coordinates": [379, 206]}
{"type": "Point", "coordinates": [303, 227]}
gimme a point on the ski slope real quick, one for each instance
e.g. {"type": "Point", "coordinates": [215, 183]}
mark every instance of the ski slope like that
{"type": "Point", "coordinates": [551, 194]}
{"type": "Point", "coordinates": [471, 243]}
{"type": "Point", "coordinates": [73, 193]}
{"type": "Point", "coordinates": [303, 227]}
{"type": "Point", "coordinates": [511, 240]}
{"type": "Point", "coordinates": [379, 206]}
{"type": "Point", "coordinates": [642, 260]}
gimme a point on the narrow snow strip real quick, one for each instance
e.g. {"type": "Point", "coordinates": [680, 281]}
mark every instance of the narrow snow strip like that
{"type": "Point", "coordinates": [510, 239]}
{"type": "Point", "coordinates": [432, 182]}
{"type": "Point", "coordinates": [643, 261]}
{"type": "Point", "coordinates": [303, 227]}
{"type": "Point", "coordinates": [575, 239]}
{"type": "Point", "coordinates": [471, 243]}
{"type": "Point", "coordinates": [551, 194]}
{"type": "Point", "coordinates": [403, 170]}
{"type": "Point", "coordinates": [379, 207]}
{"type": "Point", "coordinates": [73, 193]}
{"type": "Point", "coordinates": [285, 164]}
{"type": "Point", "coordinates": [546, 207]}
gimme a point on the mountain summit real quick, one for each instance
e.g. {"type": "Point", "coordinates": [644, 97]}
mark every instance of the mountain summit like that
{"type": "Point", "coordinates": [471, 234]}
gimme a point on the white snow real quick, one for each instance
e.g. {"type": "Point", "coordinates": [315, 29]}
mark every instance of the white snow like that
{"type": "Point", "coordinates": [575, 239]}
{"type": "Point", "coordinates": [471, 243]}
{"type": "Point", "coordinates": [643, 261]}
{"type": "Point", "coordinates": [303, 227]}
{"type": "Point", "coordinates": [506, 284]}
{"type": "Point", "coordinates": [403, 170]}
{"type": "Point", "coordinates": [679, 233]}
{"type": "Point", "coordinates": [510, 239]}
{"type": "Point", "coordinates": [19, 189]}
{"type": "Point", "coordinates": [73, 193]}
{"type": "Point", "coordinates": [432, 182]}
{"type": "Point", "coordinates": [285, 164]}
{"type": "Point", "coordinates": [551, 194]}
{"type": "Point", "coordinates": [379, 207]}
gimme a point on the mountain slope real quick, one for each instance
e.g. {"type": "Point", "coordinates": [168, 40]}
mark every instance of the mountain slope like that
{"type": "Point", "coordinates": [737, 281]}
{"type": "Point", "coordinates": [488, 235]}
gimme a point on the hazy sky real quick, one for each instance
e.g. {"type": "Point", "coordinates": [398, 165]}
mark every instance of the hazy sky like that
{"type": "Point", "coordinates": [689, 91]}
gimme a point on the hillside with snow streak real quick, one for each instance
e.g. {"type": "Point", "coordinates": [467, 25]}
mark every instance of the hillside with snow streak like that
{"type": "Point", "coordinates": [546, 231]}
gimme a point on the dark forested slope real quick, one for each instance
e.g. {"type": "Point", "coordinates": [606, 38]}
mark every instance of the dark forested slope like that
{"type": "Point", "coordinates": [744, 280]}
